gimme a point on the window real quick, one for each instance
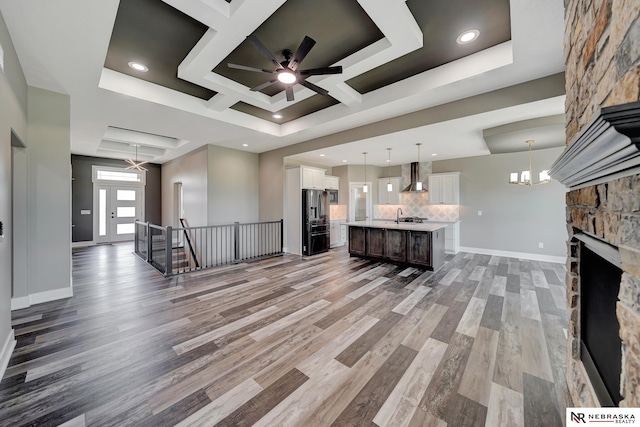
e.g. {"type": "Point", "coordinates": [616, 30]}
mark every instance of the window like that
{"type": "Point", "coordinates": [121, 176]}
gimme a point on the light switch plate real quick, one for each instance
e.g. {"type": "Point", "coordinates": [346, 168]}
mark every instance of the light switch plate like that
{"type": "Point", "coordinates": [479, 213]}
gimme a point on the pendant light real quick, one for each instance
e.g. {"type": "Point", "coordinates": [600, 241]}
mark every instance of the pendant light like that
{"type": "Point", "coordinates": [526, 178]}
{"type": "Point", "coordinates": [134, 164]}
{"type": "Point", "coordinates": [364, 187]}
{"type": "Point", "coordinates": [389, 185]}
{"type": "Point", "coordinates": [419, 183]}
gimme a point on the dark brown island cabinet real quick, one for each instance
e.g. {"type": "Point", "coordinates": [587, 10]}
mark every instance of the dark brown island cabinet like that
{"type": "Point", "coordinates": [393, 243]}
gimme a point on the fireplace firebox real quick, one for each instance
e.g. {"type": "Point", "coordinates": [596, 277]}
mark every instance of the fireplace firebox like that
{"type": "Point", "coordinates": [601, 346]}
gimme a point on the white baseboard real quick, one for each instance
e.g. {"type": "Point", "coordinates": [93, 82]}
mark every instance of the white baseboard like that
{"type": "Point", "coordinates": [20, 302]}
{"type": "Point", "coordinates": [82, 244]}
{"type": "Point", "coordinates": [7, 350]}
{"type": "Point", "coordinates": [40, 297]}
{"type": "Point", "coordinates": [523, 255]}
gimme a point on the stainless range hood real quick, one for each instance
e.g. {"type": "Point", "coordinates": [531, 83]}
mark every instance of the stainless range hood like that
{"type": "Point", "coordinates": [415, 177]}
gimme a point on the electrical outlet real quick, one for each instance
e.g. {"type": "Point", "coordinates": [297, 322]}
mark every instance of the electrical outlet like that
{"type": "Point", "coordinates": [479, 213]}
{"type": "Point", "coordinates": [540, 245]}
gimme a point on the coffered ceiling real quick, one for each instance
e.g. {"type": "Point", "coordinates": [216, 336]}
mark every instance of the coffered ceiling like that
{"type": "Point", "coordinates": [397, 57]}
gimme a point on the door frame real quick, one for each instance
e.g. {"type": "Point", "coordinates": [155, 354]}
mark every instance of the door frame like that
{"type": "Point", "coordinates": [369, 200]}
{"type": "Point", "coordinates": [98, 182]}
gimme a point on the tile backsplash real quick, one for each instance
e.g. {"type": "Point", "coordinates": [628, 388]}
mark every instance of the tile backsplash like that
{"type": "Point", "coordinates": [337, 212]}
{"type": "Point", "coordinates": [416, 204]}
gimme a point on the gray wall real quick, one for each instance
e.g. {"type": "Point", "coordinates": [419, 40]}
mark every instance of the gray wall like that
{"type": "Point", "coordinates": [220, 186]}
{"type": "Point", "coordinates": [272, 162]}
{"type": "Point", "coordinates": [233, 186]}
{"type": "Point", "coordinates": [82, 194]}
{"type": "Point", "coordinates": [49, 192]}
{"type": "Point", "coordinates": [13, 115]}
{"type": "Point", "coordinates": [514, 218]}
{"type": "Point", "coordinates": [191, 171]}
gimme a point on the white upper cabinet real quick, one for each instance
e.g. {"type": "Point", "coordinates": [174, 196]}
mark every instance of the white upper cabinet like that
{"type": "Point", "coordinates": [331, 182]}
{"type": "Point", "coordinates": [312, 178]}
{"type": "Point", "coordinates": [444, 188]}
{"type": "Point", "coordinates": [392, 197]}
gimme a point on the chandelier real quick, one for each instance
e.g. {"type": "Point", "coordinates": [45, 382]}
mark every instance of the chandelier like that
{"type": "Point", "coordinates": [526, 176]}
{"type": "Point", "coordinates": [135, 164]}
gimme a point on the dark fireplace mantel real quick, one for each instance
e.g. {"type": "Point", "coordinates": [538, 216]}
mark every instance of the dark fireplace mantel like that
{"type": "Point", "coordinates": [607, 148]}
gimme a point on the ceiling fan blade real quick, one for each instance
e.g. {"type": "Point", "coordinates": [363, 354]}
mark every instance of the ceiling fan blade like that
{"type": "Point", "coordinates": [262, 48]}
{"type": "Point", "coordinates": [303, 50]}
{"type": "Point", "coordinates": [247, 68]}
{"type": "Point", "coordinates": [263, 85]}
{"type": "Point", "coordinates": [321, 71]}
{"type": "Point", "coordinates": [289, 91]}
{"type": "Point", "coordinates": [314, 88]}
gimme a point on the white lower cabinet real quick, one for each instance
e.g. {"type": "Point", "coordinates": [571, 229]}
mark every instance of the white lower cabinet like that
{"type": "Point", "coordinates": [452, 238]}
{"type": "Point", "coordinates": [337, 233]}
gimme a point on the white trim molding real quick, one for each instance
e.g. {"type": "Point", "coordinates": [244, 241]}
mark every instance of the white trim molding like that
{"type": "Point", "coordinates": [606, 149]}
{"type": "Point", "coordinates": [40, 297]}
{"type": "Point", "coordinates": [520, 255]}
{"type": "Point", "coordinates": [83, 244]}
{"type": "Point", "coordinates": [7, 350]}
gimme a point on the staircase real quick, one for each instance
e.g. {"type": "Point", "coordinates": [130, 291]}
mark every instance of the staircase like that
{"type": "Point", "coordinates": [180, 259]}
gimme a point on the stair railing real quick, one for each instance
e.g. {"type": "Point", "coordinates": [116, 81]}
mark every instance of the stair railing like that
{"type": "Point", "coordinates": [186, 236]}
{"type": "Point", "coordinates": [210, 246]}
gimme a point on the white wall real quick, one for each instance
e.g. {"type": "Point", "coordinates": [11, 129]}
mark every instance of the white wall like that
{"type": "Point", "coordinates": [13, 115]}
{"type": "Point", "coordinates": [49, 195]}
{"type": "Point", "coordinates": [233, 186]}
{"type": "Point", "coordinates": [191, 171]}
{"type": "Point", "coordinates": [514, 218]}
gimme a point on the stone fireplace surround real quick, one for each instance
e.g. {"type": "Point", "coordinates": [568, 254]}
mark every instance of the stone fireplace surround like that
{"type": "Point", "coordinates": [601, 166]}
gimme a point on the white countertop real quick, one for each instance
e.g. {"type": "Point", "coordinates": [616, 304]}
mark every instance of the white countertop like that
{"type": "Point", "coordinates": [391, 225]}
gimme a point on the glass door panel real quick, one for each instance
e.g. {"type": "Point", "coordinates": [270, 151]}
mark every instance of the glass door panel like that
{"type": "Point", "coordinates": [360, 204]}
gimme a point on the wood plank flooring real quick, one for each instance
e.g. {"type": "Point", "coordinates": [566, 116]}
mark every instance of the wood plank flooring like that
{"type": "Point", "coordinates": [327, 340]}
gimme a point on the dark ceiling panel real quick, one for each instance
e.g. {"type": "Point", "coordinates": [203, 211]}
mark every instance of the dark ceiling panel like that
{"type": "Point", "coordinates": [441, 22]}
{"type": "Point", "coordinates": [294, 111]}
{"type": "Point", "coordinates": [340, 28]}
{"type": "Point", "coordinates": [159, 36]}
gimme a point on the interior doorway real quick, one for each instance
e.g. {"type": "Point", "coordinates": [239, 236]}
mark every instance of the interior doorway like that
{"type": "Point", "coordinates": [360, 202]}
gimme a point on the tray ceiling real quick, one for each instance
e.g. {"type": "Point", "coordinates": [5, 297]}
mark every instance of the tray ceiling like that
{"type": "Point", "coordinates": [378, 44]}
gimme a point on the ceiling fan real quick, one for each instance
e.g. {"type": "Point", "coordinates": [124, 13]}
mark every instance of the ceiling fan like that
{"type": "Point", "coordinates": [287, 72]}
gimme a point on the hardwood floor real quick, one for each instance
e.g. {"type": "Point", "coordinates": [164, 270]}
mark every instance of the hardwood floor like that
{"type": "Point", "coordinates": [326, 340]}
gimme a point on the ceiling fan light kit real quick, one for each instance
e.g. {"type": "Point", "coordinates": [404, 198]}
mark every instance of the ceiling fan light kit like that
{"type": "Point", "coordinates": [287, 72]}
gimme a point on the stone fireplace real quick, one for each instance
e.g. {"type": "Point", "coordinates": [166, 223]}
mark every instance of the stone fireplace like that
{"type": "Point", "coordinates": [601, 167]}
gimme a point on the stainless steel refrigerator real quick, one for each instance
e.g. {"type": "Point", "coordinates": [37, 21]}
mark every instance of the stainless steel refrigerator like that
{"type": "Point", "coordinates": [315, 222]}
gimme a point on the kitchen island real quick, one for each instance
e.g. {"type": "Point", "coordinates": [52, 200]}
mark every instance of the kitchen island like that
{"type": "Point", "coordinates": [416, 244]}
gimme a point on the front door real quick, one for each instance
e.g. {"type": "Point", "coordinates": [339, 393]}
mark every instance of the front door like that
{"type": "Point", "coordinates": [118, 207]}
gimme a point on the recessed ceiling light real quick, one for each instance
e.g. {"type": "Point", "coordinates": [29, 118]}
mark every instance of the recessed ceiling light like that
{"type": "Point", "coordinates": [277, 116]}
{"type": "Point", "coordinates": [245, 145]}
{"type": "Point", "coordinates": [388, 161]}
{"type": "Point", "coordinates": [344, 161]}
{"type": "Point", "coordinates": [434, 154]}
{"type": "Point", "coordinates": [321, 155]}
{"type": "Point", "coordinates": [467, 36]}
{"type": "Point", "coordinates": [138, 66]}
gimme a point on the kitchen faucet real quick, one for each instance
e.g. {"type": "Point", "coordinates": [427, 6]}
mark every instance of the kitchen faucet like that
{"type": "Point", "coordinates": [398, 213]}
